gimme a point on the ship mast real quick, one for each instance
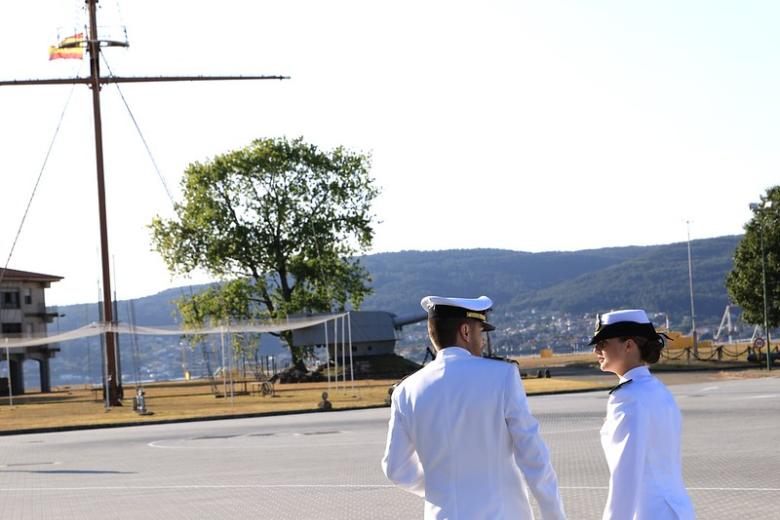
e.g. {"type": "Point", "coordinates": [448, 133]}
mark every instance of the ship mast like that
{"type": "Point", "coordinates": [94, 81]}
{"type": "Point", "coordinates": [114, 379]}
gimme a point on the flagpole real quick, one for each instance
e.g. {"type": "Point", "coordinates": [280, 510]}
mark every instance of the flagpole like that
{"type": "Point", "coordinates": [93, 46]}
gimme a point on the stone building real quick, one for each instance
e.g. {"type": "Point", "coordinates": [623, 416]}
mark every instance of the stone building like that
{"type": "Point", "coordinates": [23, 313]}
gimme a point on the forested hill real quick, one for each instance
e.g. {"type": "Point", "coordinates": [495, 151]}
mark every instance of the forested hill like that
{"type": "Point", "coordinates": [657, 279]}
{"type": "Point", "coordinates": [565, 283]}
{"type": "Point", "coordinates": [652, 277]}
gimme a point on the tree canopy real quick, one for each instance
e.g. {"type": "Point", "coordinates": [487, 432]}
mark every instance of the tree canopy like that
{"type": "Point", "coordinates": [281, 218]}
{"type": "Point", "coordinates": [745, 282]}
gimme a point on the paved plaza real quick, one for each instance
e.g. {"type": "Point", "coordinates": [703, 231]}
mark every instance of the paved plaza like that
{"type": "Point", "coordinates": [326, 466]}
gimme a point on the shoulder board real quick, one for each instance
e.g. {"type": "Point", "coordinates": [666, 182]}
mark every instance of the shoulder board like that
{"type": "Point", "coordinates": [498, 358]}
{"type": "Point", "coordinates": [614, 389]}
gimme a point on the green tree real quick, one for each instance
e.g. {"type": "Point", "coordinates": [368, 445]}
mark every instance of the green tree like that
{"type": "Point", "coordinates": [283, 221]}
{"type": "Point", "coordinates": [744, 282]}
{"type": "Point", "coordinates": [217, 305]}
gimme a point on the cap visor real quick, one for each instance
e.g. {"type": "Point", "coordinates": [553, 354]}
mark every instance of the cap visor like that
{"type": "Point", "coordinates": [487, 327]}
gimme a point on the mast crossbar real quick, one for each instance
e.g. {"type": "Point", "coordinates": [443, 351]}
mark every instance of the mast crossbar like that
{"type": "Point", "coordinates": [132, 79]}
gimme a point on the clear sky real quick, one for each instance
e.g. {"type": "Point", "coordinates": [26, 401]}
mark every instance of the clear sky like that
{"type": "Point", "coordinates": [525, 125]}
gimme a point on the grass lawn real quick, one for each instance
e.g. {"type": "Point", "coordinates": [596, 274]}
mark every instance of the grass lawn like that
{"type": "Point", "coordinates": [672, 359]}
{"type": "Point", "coordinates": [82, 406]}
{"type": "Point", "coordinates": [79, 406]}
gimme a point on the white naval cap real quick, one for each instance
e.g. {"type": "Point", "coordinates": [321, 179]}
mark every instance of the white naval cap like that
{"type": "Point", "coordinates": [622, 323]}
{"type": "Point", "coordinates": [634, 315]}
{"type": "Point", "coordinates": [475, 308]}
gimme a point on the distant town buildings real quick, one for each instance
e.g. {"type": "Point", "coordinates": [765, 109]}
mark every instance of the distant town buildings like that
{"type": "Point", "coordinates": [527, 332]}
{"type": "Point", "coordinates": [23, 314]}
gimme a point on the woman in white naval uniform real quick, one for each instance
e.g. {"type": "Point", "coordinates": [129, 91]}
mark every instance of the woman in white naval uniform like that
{"type": "Point", "coordinates": [641, 433]}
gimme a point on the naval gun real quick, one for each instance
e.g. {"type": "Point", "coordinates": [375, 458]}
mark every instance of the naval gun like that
{"type": "Point", "coordinates": [373, 336]}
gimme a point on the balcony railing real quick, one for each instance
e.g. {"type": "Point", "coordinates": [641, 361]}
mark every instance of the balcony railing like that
{"type": "Point", "coordinates": [40, 311]}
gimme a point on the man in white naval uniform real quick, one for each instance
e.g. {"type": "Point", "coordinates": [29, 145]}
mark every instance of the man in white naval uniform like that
{"type": "Point", "coordinates": [461, 434]}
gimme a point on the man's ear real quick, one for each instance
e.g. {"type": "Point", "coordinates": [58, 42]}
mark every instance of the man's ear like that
{"type": "Point", "coordinates": [464, 330]}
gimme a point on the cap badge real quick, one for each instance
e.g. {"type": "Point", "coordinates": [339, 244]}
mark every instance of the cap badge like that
{"type": "Point", "coordinates": [598, 322]}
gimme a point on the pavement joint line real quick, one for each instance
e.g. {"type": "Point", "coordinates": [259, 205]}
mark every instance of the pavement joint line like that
{"type": "Point", "coordinates": [318, 486]}
{"type": "Point", "coordinates": [25, 464]}
{"type": "Point", "coordinates": [731, 489]}
{"type": "Point", "coordinates": [563, 432]}
{"type": "Point", "coordinates": [251, 415]}
{"type": "Point", "coordinates": [179, 420]}
{"type": "Point", "coordinates": [205, 486]}
{"type": "Point", "coordinates": [154, 444]}
{"type": "Point", "coordinates": [687, 488]}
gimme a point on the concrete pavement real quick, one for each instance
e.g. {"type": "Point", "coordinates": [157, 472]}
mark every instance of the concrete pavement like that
{"type": "Point", "coordinates": [326, 466]}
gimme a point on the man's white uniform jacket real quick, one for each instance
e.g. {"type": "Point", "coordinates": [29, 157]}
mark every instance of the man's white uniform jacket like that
{"type": "Point", "coordinates": [641, 440]}
{"type": "Point", "coordinates": [461, 435]}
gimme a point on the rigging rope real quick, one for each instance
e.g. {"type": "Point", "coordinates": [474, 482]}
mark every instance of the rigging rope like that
{"type": "Point", "coordinates": [140, 134]}
{"type": "Point", "coordinates": [37, 182]}
{"type": "Point", "coordinates": [121, 20]}
{"type": "Point", "coordinates": [136, 350]}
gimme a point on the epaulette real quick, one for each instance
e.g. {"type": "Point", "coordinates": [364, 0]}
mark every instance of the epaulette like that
{"type": "Point", "coordinates": [504, 359]}
{"type": "Point", "coordinates": [618, 386]}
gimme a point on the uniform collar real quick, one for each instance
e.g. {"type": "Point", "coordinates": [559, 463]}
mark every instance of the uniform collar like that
{"type": "Point", "coordinates": [452, 352]}
{"type": "Point", "coordinates": [635, 373]}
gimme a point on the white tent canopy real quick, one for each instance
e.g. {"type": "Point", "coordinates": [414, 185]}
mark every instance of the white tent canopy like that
{"type": "Point", "coordinates": [96, 328]}
{"type": "Point", "coordinates": [270, 326]}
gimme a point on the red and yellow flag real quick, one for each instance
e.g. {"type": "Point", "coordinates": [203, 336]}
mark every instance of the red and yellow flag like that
{"type": "Point", "coordinates": [68, 49]}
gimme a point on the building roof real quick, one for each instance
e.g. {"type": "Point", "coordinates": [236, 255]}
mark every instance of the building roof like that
{"type": "Point", "coordinates": [26, 276]}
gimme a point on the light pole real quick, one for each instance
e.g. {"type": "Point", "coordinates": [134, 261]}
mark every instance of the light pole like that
{"type": "Point", "coordinates": [758, 209]}
{"type": "Point", "coordinates": [690, 284]}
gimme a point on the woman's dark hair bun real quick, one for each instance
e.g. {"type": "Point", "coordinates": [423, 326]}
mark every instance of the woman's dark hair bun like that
{"type": "Point", "coordinates": [649, 349]}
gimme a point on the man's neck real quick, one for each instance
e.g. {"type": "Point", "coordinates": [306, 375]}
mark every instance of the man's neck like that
{"type": "Point", "coordinates": [464, 347]}
{"type": "Point", "coordinates": [473, 350]}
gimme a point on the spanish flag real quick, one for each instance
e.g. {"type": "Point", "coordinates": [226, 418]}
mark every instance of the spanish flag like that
{"type": "Point", "coordinates": [68, 49]}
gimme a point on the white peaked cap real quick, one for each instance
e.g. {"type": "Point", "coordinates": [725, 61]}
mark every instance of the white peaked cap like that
{"type": "Point", "coordinates": [628, 322]}
{"type": "Point", "coordinates": [633, 315]}
{"type": "Point", "coordinates": [475, 308]}
{"type": "Point", "coordinates": [481, 304]}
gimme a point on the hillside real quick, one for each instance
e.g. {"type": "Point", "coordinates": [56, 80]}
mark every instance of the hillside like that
{"type": "Point", "coordinates": [401, 279]}
{"type": "Point", "coordinates": [656, 279]}
{"type": "Point", "coordinates": [532, 291]}
{"type": "Point", "coordinates": [652, 277]}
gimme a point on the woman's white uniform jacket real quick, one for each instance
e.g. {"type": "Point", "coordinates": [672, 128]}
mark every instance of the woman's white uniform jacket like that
{"type": "Point", "coordinates": [641, 440]}
{"type": "Point", "coordinates": [461, 434]}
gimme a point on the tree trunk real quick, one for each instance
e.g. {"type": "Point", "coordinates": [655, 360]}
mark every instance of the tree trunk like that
{"type": "Point", "coordinates": [295, 352]}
